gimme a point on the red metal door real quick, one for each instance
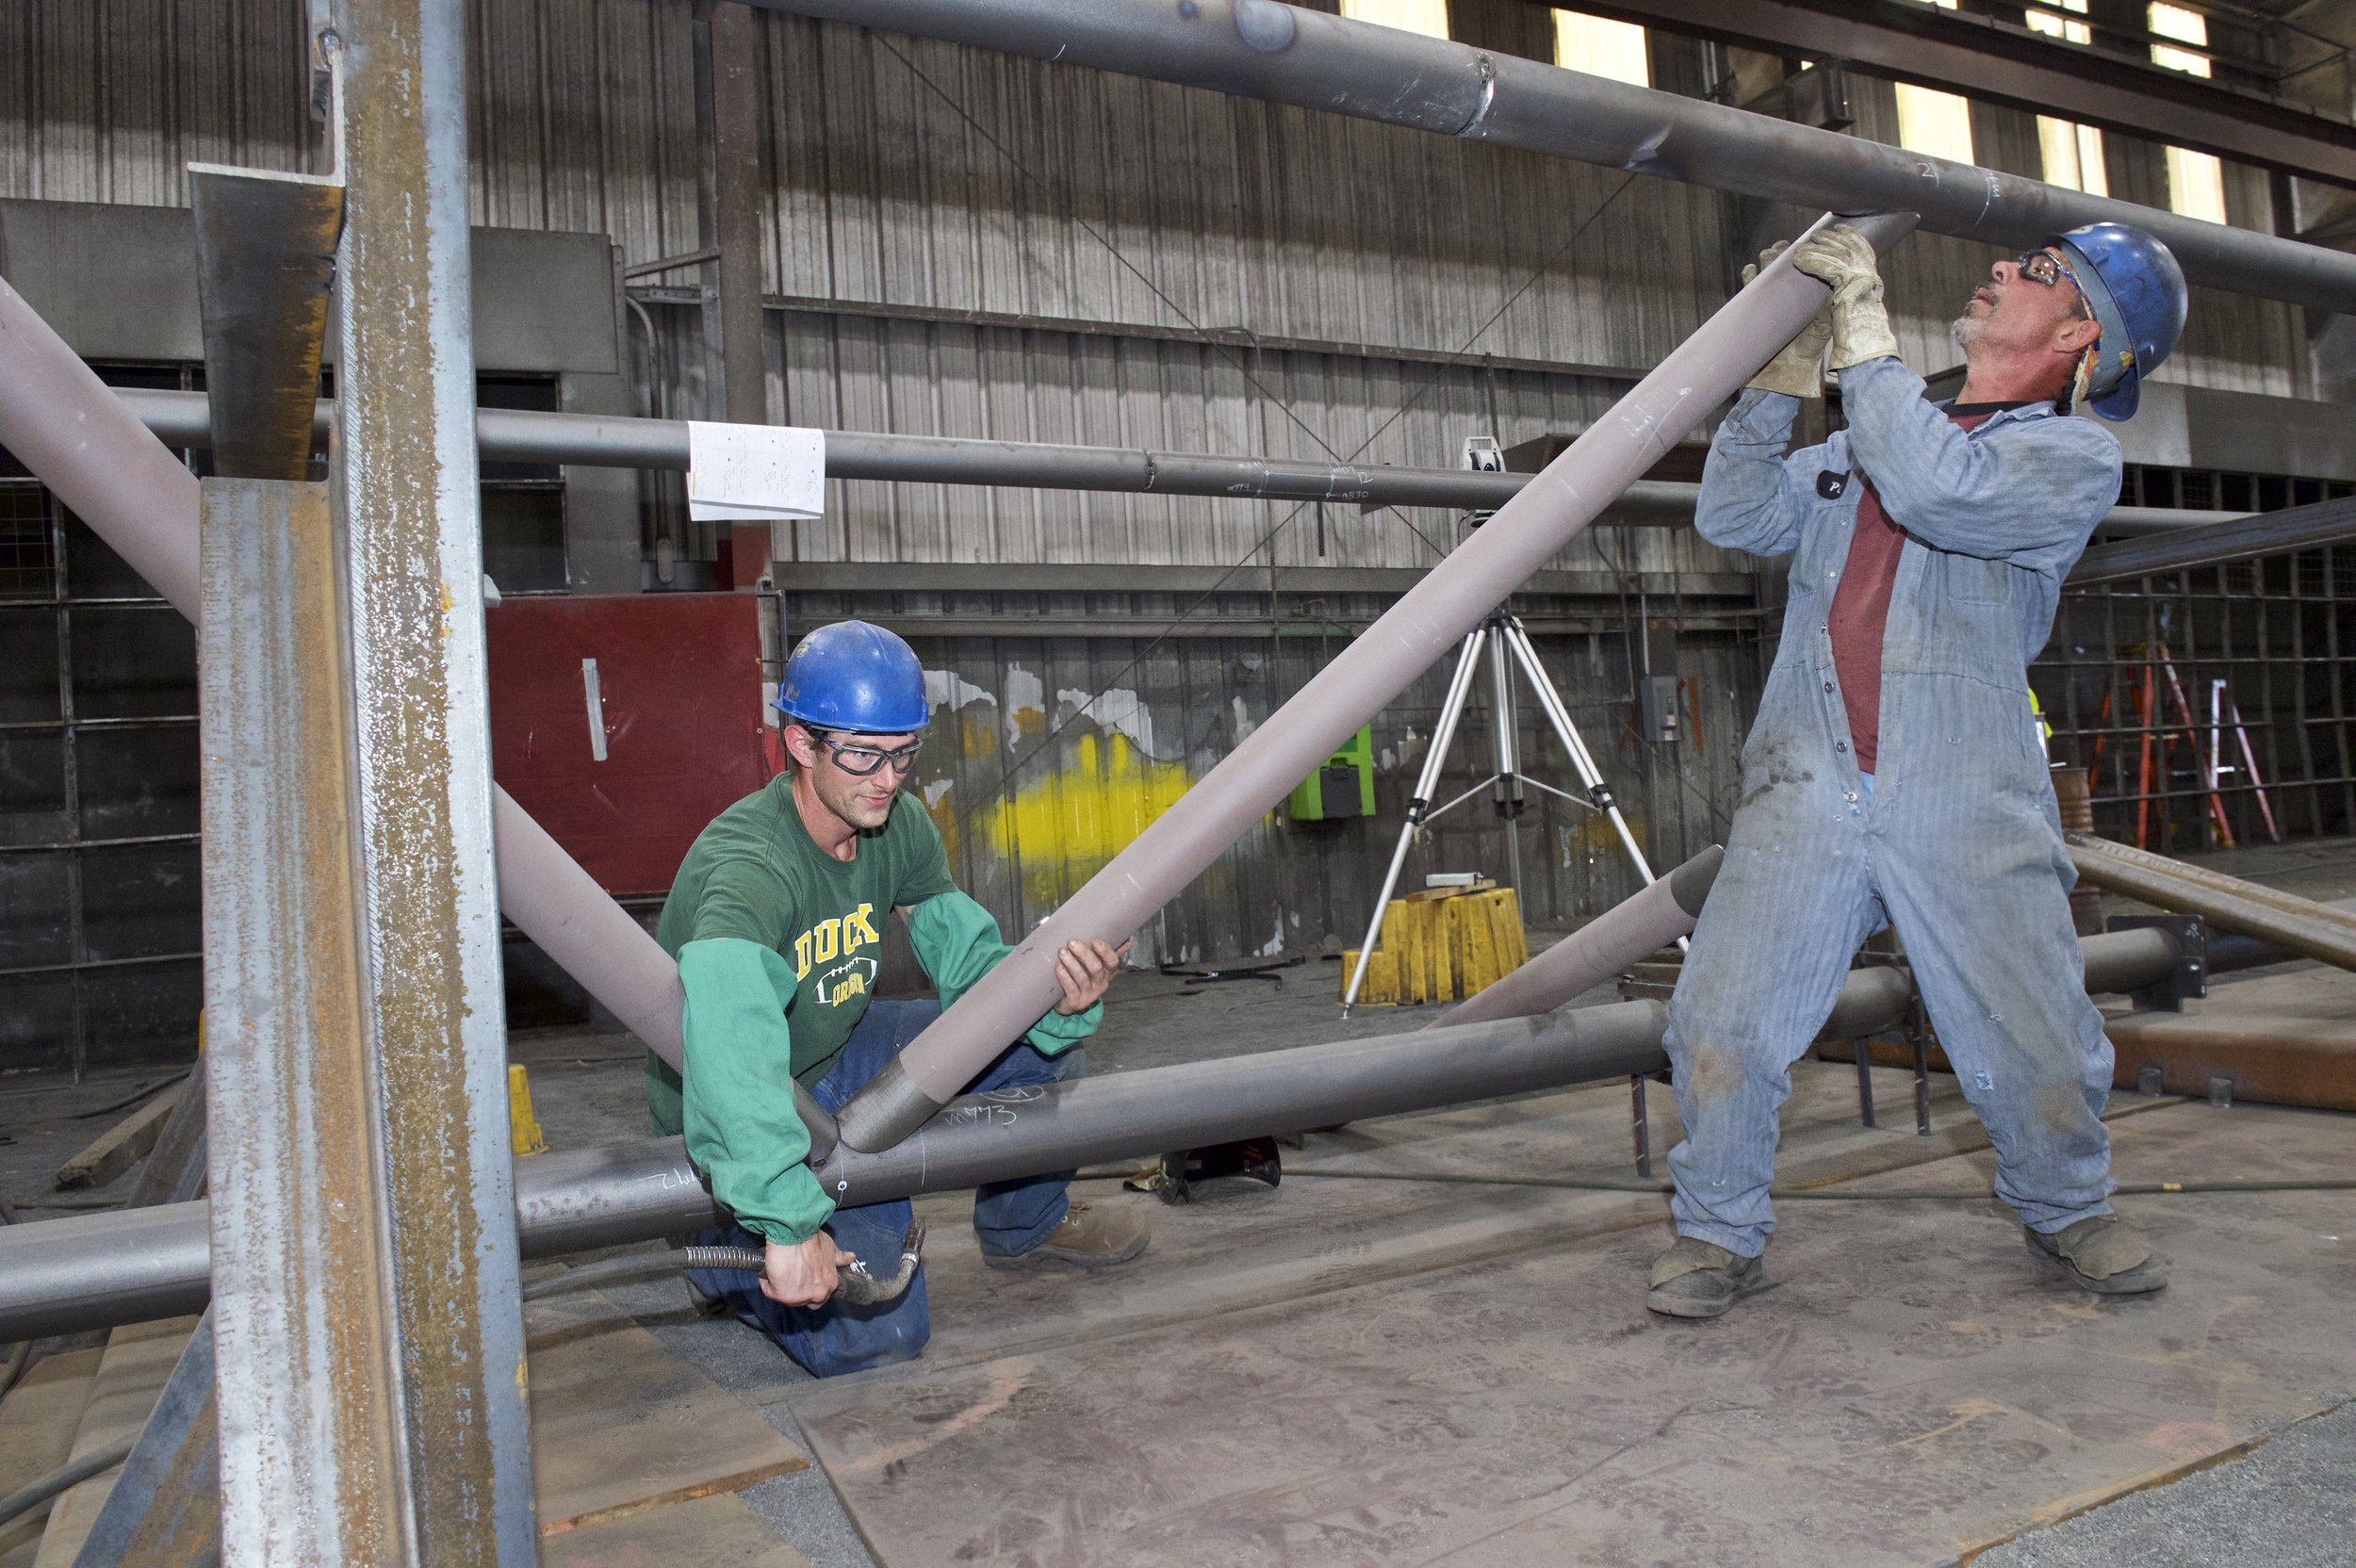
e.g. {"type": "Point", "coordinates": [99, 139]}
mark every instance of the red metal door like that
{"type": "Point", "coordinates": [677, 689]}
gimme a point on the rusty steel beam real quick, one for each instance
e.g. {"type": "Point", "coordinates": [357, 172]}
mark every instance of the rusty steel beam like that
{"type": "Point", "coordinates": [2311, 930]}
{"type": "Point", "coordinates": [307, 1347]}
{"type": "Point", "coordinates": [409, 505]}
{"type": "Point", "coordinates": [264, 261]}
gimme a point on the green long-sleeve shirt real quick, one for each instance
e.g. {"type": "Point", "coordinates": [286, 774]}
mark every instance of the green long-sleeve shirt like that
{"type": "Point", "coordinates": [777, 942]}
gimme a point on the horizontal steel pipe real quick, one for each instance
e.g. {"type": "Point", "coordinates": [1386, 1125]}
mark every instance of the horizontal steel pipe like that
{"type": "Point", "coordinates": [1626, 934]}
{"type": "Point", "coordinates": [2297, 528]}
{"type": "Point", "coordinates": [613, 441]}
{"type": "Point", "coordinates": [62, 1276]}
{"type": "Point", "coordinates": [1260, 49]}
{"type": "Point", "coordinates": [1420, 628]}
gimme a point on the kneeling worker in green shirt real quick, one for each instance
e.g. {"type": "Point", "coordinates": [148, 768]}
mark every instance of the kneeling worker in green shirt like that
{"type": "Point", "coordinates": [775, 919]}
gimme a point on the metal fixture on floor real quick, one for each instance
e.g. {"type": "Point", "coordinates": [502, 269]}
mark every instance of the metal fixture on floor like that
{"type": "Point", "coordinates": [1285, 55]}
{"type": "Point", "coordinates": [1449, 602]}
{"type": "Point", "coordinates": [1498, 634]}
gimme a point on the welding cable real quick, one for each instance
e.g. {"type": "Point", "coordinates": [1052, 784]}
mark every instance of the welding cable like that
{"type": "Point", "coordinates": [1830, 1195]}
{"type": "Point", "coordinates": [65, 1478]}
{"type": "Point", "coordinates": [856, 1287]}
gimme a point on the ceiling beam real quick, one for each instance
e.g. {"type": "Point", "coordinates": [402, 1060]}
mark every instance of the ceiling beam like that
{"type": "Point", "coordinates": [1999, 63]}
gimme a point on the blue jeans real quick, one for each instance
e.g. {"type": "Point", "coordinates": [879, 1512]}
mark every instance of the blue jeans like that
{"type": "Point", "coordinates": [1009, 1216]}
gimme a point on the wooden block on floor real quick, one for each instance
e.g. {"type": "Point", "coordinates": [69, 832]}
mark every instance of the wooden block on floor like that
{"type": "Point", "coordinates": [111, 1155]}
{"type": "Point", "coordinates": [132, 1370]}
{"type": "Point", "coordinates": [620, 1425]}
{"type": "Point", "coordinates": [38, 1420]}
{"type": "Point", "coordinates": [709, 1532]}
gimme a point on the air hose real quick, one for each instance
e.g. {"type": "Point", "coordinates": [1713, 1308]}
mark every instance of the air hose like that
{"type": "Point", "coordinates": [854, 1285]}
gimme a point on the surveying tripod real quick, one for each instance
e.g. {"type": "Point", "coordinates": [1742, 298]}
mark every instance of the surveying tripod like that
{"type": "Point", "coordinates": [1501, 637]}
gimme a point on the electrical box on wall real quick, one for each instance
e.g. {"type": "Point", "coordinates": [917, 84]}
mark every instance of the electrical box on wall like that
{"type": "Point", "coordinates": [1658, 697]}
{"type": "Point", "coordinates": [1342, 787]}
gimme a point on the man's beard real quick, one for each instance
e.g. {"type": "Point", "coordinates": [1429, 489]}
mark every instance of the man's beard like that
{"type": "Point", "coordinates": [1966, 329]}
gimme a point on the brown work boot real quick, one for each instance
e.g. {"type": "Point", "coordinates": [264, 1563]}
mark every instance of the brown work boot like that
{"type": "Point", "coordinates": [1088, 1237]}
{"type": "Point", "coordinates": [1699, 1279]}
{"type": "Point", "coordinates": [2105, 1254]}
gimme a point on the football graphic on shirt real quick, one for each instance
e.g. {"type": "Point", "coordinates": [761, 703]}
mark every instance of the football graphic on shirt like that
{"type": "Point", "coordinates": [852, 978]}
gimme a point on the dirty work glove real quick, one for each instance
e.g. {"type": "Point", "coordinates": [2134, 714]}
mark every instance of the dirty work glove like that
{"type": "Point", "coordinates": [1860, 327]}
{"type": "Point", "coordinates": [1799, 370]}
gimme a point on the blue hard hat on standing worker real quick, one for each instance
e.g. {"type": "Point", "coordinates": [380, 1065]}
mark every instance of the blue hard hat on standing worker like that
{"type": "Point", "coordinates": [854, 678]}
{"type": "Point", "coordinates": [2137, 292]}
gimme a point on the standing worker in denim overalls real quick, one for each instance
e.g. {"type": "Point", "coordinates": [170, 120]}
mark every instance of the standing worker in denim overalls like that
{"type": "Point", "coordinates": [1895, 774]}
{"type": "Point", "coordinates": [775, 919]}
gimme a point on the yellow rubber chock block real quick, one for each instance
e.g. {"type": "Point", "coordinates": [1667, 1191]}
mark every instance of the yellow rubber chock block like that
{"type": "Point", "coordinates": [523, 1127]}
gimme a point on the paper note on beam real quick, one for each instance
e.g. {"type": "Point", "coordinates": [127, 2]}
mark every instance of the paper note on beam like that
{"type": "Point", "coordinates": [755, 473]}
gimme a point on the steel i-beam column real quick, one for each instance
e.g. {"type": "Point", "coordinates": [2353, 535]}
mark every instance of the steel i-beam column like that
{"type": "Point", "coordinates": [308, 1353]}
{"type": "Point", "coordinates": [1427, 622]}
{"type": "Point", "coordinates": [409, 506]}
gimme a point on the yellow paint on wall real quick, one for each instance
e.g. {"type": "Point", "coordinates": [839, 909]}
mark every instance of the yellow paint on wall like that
{"type": "Point", "coordinates": [1063, 828]}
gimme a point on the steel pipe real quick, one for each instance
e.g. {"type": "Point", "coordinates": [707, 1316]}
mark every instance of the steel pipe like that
{"type": "Point", "coordinates": [1625, 934]}
{"type": "Point", "coordinates": [2297, 528]}
{"type": "Point", "coordinates": [62, 1276]}
{"type": "Point", "coordinates": [613, 441]}
{"type": "Point", "coordinates": [1261, 49]}
{"type": "Point", "coordinates": [1425, 624]}
{"type": "Point", "coordinates": [2311, 930]}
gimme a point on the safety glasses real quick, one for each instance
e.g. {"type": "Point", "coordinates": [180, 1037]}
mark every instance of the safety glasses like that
{"type": "Point", "coordinates": [2046, 268]}
{"type": "Point", "coordinates": [863, 761]}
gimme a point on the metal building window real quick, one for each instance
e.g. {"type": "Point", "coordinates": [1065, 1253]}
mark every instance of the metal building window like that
{"type": "Point", "coordinates": [1611, 49]}
{"type": "Point", "coordinates": [2196, 184]}
{"type": "Point", "coordinates": [1428, 17]}
{"type": "Point", "coordinates": [1937, 124]}
{"type": "Point", "coordinates": [2177, 23]}
{"type": "Point", "coordinates": [2072, 154]}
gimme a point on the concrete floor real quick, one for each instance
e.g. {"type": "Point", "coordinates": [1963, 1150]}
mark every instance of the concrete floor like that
{"type": "Point", "coordinates": [1389, 1372]}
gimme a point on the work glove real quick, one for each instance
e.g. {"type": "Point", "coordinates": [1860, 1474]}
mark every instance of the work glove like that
{"type": "Point", "coordinates": [1799, 370]}
{"type": "Point", "coordinates": [1860, 327]}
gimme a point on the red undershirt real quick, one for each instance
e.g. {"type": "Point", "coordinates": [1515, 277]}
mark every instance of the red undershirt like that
{"type": "Point", "coordinates": [1860, 606]}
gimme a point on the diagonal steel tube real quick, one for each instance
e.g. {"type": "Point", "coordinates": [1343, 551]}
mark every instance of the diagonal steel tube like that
{"type": "Point", "coordinates": [1287, 55]}
{"type": "Point", "coordinates": [1378, 664]}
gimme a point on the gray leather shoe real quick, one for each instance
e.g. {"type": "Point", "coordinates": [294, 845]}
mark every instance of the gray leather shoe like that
{"type": "Point", "coordinates": [2105, 1254]}
{"type": "Point", "coordinates": [1699, 1278]}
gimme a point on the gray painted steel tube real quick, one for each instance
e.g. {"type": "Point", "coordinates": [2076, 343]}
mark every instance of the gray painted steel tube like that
{"type": "Point", "coordinates": [1422, 626]}
{"type": "Point", "coordinates": [1622, 935]}
{"type": "Point", "coordinates": [61, 1276]}
{"type": "Point", "coordinates": [1260, 49]}
{"type": "Point", "coordinates": [613, 441]}
{"type": "Point", "coordinates": [92, 447]}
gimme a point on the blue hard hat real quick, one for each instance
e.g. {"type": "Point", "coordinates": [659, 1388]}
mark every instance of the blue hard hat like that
{"type": "Point", "coordinates": [855, 676]}
{"type": "Point", "coordinates": [2137, 292]}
